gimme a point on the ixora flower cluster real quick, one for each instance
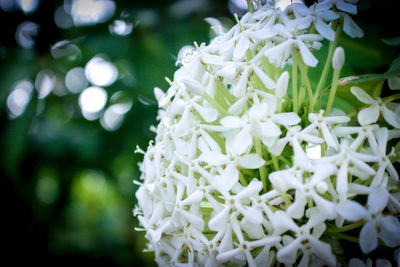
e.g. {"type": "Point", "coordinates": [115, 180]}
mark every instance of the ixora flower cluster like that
{"type": "Point", "coordinates": [251, 165]}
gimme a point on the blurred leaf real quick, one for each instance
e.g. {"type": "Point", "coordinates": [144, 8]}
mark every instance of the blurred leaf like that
{"type": "Point", "coordinates": [392, 41]}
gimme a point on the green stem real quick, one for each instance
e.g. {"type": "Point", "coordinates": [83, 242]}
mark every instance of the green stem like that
{"type": "Point", "coordinates": [304, 78]}
{"type": "Point", "coordinates": [328, 62]}
{"type": "Point", "coordinates": [225, 92]}
{"type": "Point", "coordinates": [332, 92]}
{"type": "Point", "coordinates": [250, 6]}
{"type": "Point", "coordinates": [346, 237]}
{"type": "Point", "coordinates": [294, 83]}
{"type": "Point", "coordinates": [286, 198]}
{"type": "Point", "coordinates": [275, 162]}
{"type": "Point", "coordinates": [215, 104]}
{"type": "Point", "coordinates": [241, 179]}
{"type": "Point", "coordinates": [391, 98]}
{"type": "Point", "coordinates": [262, 170]}
{"type": "Point", "coordinates": [346, 228]}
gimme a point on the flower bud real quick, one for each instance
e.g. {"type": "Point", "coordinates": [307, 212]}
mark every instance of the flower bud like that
{"type": "Point", "coordinates": [338, 58]}
{"type": "Point", "coordinates": [282, 84]}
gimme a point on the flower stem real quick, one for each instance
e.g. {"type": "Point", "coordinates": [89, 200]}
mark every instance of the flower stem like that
{"type": "Point", "coordinates": [262, 170]}
{"type": "Point", "coordinates": [306, 81]}
{"type": "Point", "coordinates": [391, 98]}
{"type": "Point", "coordinates": [346, 228]}
{"type": "Point", "coordinates": [215, 104]}
{"type": "Point", "coordinates": [332, 92]}
{"type": "Point", "coordinates": [328, 62]}
{"type": "Point", "coordinates": [250, 6]}
{"type": "Point", "coordinates": [294, 83]}
{"type": "Point", "coordinates": [221, 87]}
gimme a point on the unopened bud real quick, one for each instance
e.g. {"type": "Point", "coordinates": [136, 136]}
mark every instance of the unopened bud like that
{"type": "Point", "coordinates": [338, 58]}
{"type": "Point", "coordinates": [193, 86]}
{"type": "Point", "coordinates": [282, 85]}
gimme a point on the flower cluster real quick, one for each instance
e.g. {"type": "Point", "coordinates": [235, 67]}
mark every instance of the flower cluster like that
{"type": "Point", "coordinates": [250, 166]}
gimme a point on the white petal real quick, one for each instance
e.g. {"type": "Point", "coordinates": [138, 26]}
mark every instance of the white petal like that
{"type": "Point", "coordinates": [229, 177]}
{"type": "Point", "coordinates": [351, 28]}
{"type": "Point", "coordinates": [378, 199]}
{"type": "Point", "coordinates": [193, 86]}
{"type": "Point", "coordinates": [390, 117]}
{"type": "Point", "coordinates": [288, 253]}
{"type": "Point", "coordinates": [390, 231]}
{"type": "Point", "coordinates": [368, 237]}
{"type": "Point", "coordinates": [324, 29]}
{"type": "Point", "coordinates": [282, 222]}
{"type": "Point", "coordinates": [361, 95]}
{"type": "Point", "coordinates": [308, 58]}
{"type": "Point", "coordinates": [368, 115]}
{"type": "Point", "coordinates": [232, 122]}
{"type": "Point", "coordinates": [282, 84]}
{"type": "Point", "coordinates": [228, 255]}
{"type": "Point", "coordinates": [214, 158]}
{"type": "Point", "coordinates": [352, 211]}
{"type": "Point", "coordinates": [270, 129]}
{"type": "Point", "coordinates": [238, 106]}
{"type": "Point", "coordinates": [287, 118]}
{"type": "Point", "coordinates": [208, 114]}
{"type": "Point", "coordinates": [279, 53]}
{"type": "Point", "coordinates": [212, 59]}
{"type": "Point", "coordinates": [241, 47]}
{"type": "Point", "coordinates": [194, 198]}
{"type": "Point", "coordinates": [267, 81]}
{"type": "Point", "coordinates": [322, 251]}
{"type": "Point", "coordinates": [250, 161]}
{"type": "Point", "coordinates": [346, 7]}
{"type": "Point", "coordinates": [243, 141]}
{"type": "Point", "coordinates": [327, 208]}
{"type": "Point", "coordinates": [253, 230]}
{"type": "Point", "coordinates": [296, 210]}
{"type": "Point", "coordinates": [383, 263]}
{"type": "Point", "coordinates": [252, 188]}
{"type": "Point", "coordinates": [194, 220]}
{"type": "Point", "coordinates": [226, 242]}
{"type": "Point", "coordinates": [240, 89]}
{"type": "Point", "coordinates": [219, 221]}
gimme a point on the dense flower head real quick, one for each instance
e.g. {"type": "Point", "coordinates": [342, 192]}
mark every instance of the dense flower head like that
{"type": "Point", "coordinates": [248, 166]}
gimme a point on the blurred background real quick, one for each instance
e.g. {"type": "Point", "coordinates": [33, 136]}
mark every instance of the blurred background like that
{"type": "Point", "coordinates": [76, 98]}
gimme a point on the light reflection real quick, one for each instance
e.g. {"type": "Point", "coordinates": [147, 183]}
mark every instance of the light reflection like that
{"type": "Point", "coordinates": [8, 5]}
{"type": "Point", "coordinates": [120, 27]}
{"type": "Point", "coordinates": [93, 181]}
{"type": "Point", "coordinates": [45, 83]}
{"type": "Point", "coordinates": [25, 33]}
{"type": "Point", "coordinates": [111, 120]}
{"type": "Point", "coordinates": [75, 80]}
{"type": "Point", "coordinates": [100, 72]}
{"type": "Point", "coordinates": [62, 18]}
{"type": "Point", "coordinates": [65, 49]}
{"type": "Point", "coordinates": [90, 12]}
{"type": "Point", "coordinates": [19, 98]}
{"type": "Point", "coordinates": [121, 102]}
{"type": "Point", "coordinates": [28, 6]}
{"type": "Point", "coordinates": [92, 101]}
{"type": "Point", "coordinates": [47, 189]}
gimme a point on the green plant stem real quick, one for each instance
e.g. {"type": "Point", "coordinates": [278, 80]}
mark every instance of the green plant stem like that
{"type": "Point", "coordinates": [294, 83]}
{"type": "Point", "coordinates": [346, 228]}
{"type": "Point", "coordinates": [225, 92]}
{"type": "Point", "coordinates": [250, 6]}
{"type": "Point", "coordinates": [306, 81]}
{"type": "Point", "coordinates": [262, 170]}
{"type": "Point", "coordinates": [241, 179]}
{"type": "Point", "coordinates": [215, 104]}
{"type": "Point", "coordinates": [332, 92]}
{"type": "Point", "coordinates": [275, 162]}
{"type": "Point", "coordinates": [346, 237]}
{"type": "Point", "coordinates": [391, 98]}
{"type": "Point", "coordinates": [328, 63]}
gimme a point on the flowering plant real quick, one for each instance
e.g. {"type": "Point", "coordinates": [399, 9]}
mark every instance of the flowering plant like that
{"type": "Point", "coordinates": [254, 164]}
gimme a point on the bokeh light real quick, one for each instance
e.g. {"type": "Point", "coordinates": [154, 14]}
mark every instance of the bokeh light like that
{"type": "Point", "coordinates": [45, 83]}
{"type": "Point", "coordinates": [100, 72]}
{"type": "Point", "coordinates": [75, 80]}
{"type": "Point", "coordinates": [25, 33]}
{"type": "Point", "coordinates": [92, 100]}
{"type": "Point", "coordinates": [19, 98]}
{"type": "Point", "coordinates": [120, 27]}
{"type": "Point", "coordinates": [28, 6]}
{"type": "Point", "coordinates": [90, 12]}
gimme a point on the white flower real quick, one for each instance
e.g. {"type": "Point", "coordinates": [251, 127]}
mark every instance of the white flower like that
{"type": "Point", "coordinates": [387, 228]}
{"type": "Point", "coordinates": [376, 107]}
